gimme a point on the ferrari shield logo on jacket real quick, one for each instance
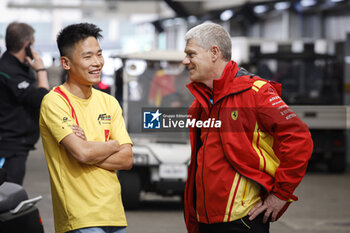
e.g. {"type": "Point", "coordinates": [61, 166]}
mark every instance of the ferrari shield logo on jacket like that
{"type": "Point", "coordinates": [234, 114]}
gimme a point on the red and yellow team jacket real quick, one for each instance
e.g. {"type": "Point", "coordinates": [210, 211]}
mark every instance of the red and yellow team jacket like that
{"type": "Point", "coordinates": [260, 138]}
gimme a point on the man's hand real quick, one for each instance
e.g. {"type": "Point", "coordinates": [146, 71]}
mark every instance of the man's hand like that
{"type": "Point", "coordinates": [37, 62]}
{"type": "Point", "coordinates": [79, 132]}
{"type": "Point", "coordinates": [272, 205]}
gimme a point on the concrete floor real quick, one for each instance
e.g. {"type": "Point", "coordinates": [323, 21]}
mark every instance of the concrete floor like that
{"type": "Point", "coordinates": [323, 206]}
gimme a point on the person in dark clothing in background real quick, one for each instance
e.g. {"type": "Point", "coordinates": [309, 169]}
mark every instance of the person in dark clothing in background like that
{"type": "Point", "coordinates": [23, 84]}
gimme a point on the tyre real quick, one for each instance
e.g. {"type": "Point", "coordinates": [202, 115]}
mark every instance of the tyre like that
{"type": "Point", "coordinates": [131, 187]}
{"type": "Point", "coordinates": [337, 164]}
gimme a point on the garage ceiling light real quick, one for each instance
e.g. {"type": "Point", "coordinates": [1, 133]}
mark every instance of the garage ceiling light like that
{"type": "Point", "coordinates": [308, 3]}
{"type": "Point", "coordinates": [260, 9]}
{"type": "Point", "coordinates": [226, 15]}
{"type": "Point", "coordinates": [282, 6]}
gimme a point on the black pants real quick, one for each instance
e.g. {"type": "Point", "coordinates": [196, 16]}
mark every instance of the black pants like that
{"type": "Point", "coordinates": [15, 166]}
{"type": "Point", "coordinates": [242, 225]}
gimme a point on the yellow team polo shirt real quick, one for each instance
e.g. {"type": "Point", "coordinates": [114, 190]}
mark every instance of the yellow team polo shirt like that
{"type": "Point", "coordinates": [82, 195]}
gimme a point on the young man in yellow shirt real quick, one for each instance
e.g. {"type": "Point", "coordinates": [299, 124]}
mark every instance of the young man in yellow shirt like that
{"type": "Point", "coordinates": [86, 193]}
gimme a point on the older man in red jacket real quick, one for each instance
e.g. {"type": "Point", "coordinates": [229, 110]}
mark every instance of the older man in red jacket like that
{"type": "Point", "coordinates": [243, 174]}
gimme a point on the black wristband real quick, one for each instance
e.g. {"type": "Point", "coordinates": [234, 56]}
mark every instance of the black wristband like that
{"type": "Point", "coordinates": [41, 69]}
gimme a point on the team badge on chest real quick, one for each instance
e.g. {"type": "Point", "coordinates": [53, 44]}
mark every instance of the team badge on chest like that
{"type": "Point", "coordinates": [234, 115]}
{"type": "Point", "coordinates": [104, 119]}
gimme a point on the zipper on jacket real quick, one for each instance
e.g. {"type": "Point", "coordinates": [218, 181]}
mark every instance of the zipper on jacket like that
{"type": "Point", "coordinates": [205, 143]}
{"type": "Point", "coordinates": [244, 191]}
{"type": "Point", "coordinates": [201, 94]}
{"type": "Point", "coordinates": [210, 105]}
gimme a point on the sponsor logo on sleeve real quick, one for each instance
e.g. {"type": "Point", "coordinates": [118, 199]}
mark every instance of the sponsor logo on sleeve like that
{"type": "Point", "coordinates": [23, 85]}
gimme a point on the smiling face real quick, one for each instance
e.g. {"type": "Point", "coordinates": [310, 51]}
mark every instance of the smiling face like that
{"type": "Point", "coordinates": [85, 63]}
{"type": "Point", "coordinates": [199, 61]}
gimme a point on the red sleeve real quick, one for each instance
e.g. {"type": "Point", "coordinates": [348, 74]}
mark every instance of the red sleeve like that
{"type": "Point", "coordinates": [292, 140]}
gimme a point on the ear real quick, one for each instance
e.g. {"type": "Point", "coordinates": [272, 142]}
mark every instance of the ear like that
{"type": "Point", "coordinates": [26, 44]}
{"type": "Point", "coordinates": [65, 63]}
{"type": "Point", "coordinates": [29, 42]}
{"type": "Point", "coordinates": [215, 53]}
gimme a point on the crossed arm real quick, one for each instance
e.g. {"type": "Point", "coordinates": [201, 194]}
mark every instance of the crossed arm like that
{"type": "Point", "coordinates": [108, 155]}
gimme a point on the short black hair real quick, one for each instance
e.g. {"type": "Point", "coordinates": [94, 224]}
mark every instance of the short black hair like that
{"type": "Point", "coordinates": [17, 34]}
{"type": "Point", "coordinates": [70, 35]}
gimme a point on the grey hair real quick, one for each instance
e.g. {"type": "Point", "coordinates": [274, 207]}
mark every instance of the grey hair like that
{"type": "Point", "coordinates": [207, 35]}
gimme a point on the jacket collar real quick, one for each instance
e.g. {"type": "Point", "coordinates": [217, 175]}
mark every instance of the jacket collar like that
{"type": "Point", "coordinates": [8, 56]}
{"type": "Point", "coordinates": [227, 84]}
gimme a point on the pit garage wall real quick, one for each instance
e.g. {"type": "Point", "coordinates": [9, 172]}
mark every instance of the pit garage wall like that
{"type": "Point", "coordinates": [290, 25]}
